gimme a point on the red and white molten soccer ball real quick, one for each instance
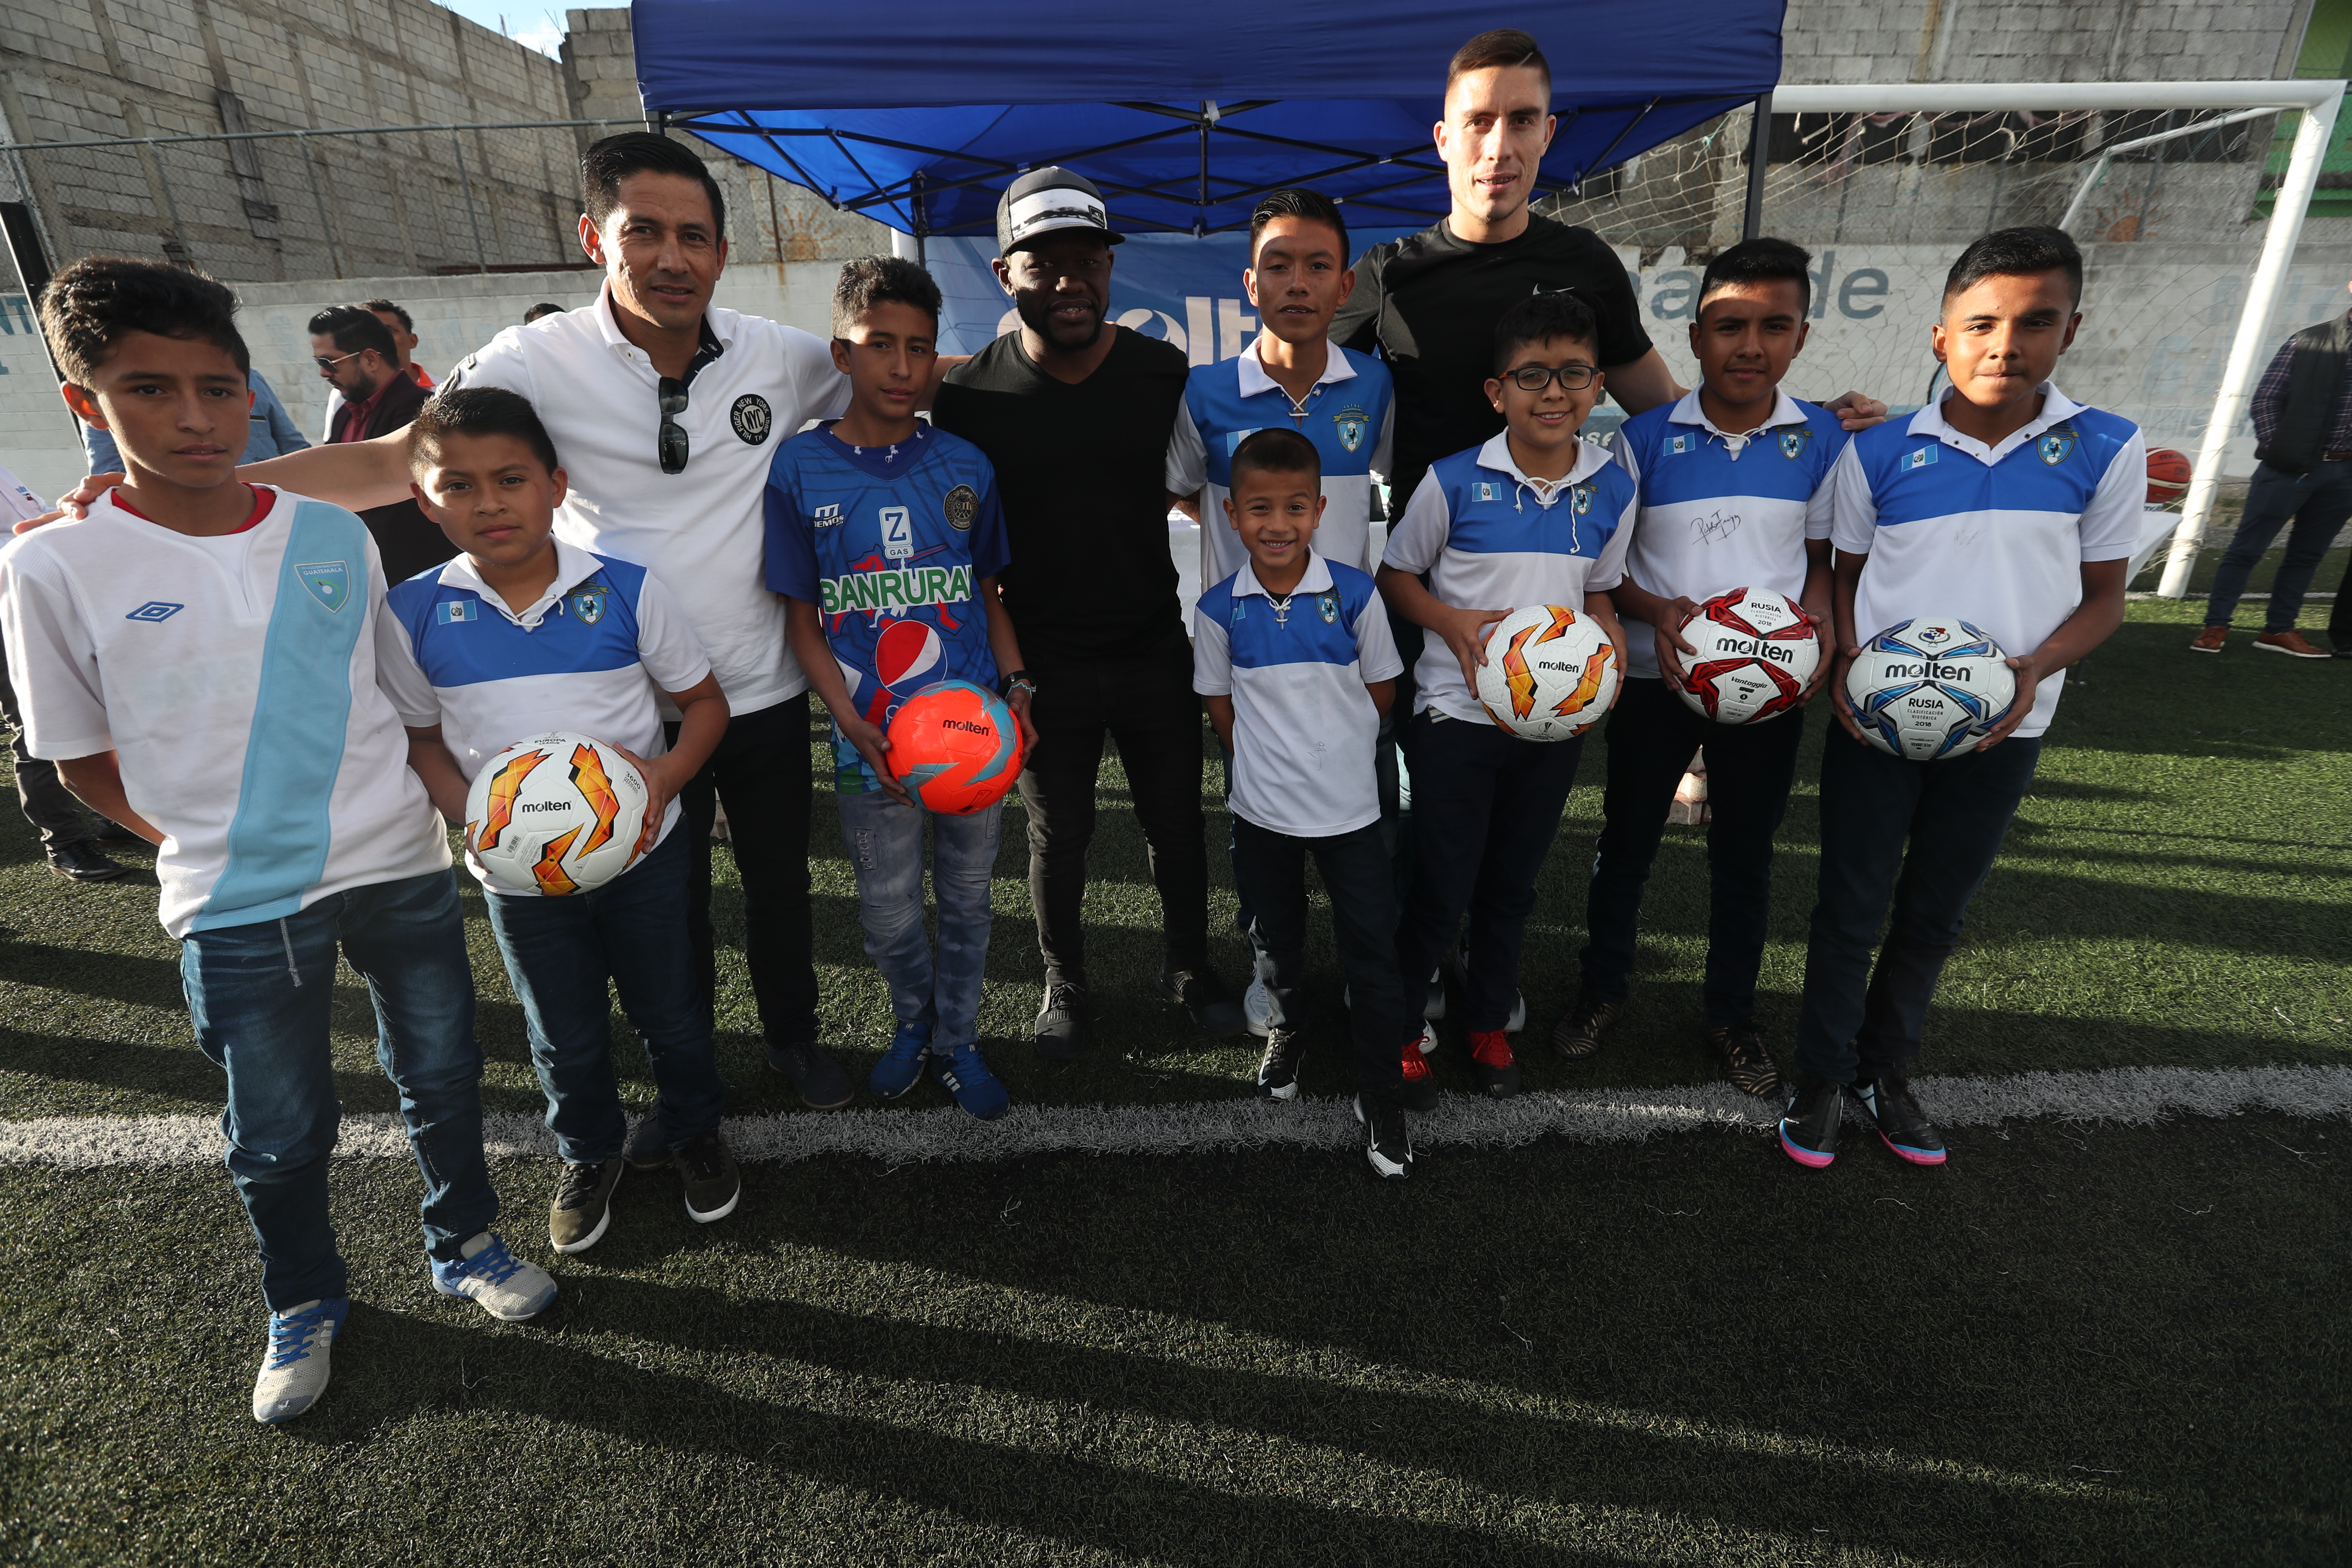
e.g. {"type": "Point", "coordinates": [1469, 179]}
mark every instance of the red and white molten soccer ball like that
{"type": "Point", "coordinates": [1756, 651]}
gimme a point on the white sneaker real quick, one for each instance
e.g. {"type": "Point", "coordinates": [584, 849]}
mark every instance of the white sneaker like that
{"type": "Point", "coordinates": [1258, 1008]}
{"type": "Point", "coordinates": [507, 1287]}
{"type": "Point", "coordinates": [294, 1368]}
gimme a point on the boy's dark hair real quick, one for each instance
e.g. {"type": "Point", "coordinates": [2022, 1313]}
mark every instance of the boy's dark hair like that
{"type": "Point", "coordinates": [353, 329]}
{"type": "Point", "coordinates": [1296, 202]}
{"type": "Point", "coordinates": [95, 301]}
{"type": "Point", "coordinates": [478, 410]}
{"type": "Point", "coordinates": [544, 308]}
{"type": "Point", "coordinates": [1539, 318]}
{"type": "Point", "coordinates": [870, 280]}
{"type": "Point", "coordinates": [1276, 450]}
{"type": "Point", "coordinates": [386, 308]}
{"type": "Point", "coordinates": [1761, 260]}
{"type": "Point", "coordinates": [615, 158]}
{"type": "Point", "coordinates": [1501, 46]}
{"type": "Point", "coordinates": [2016, 253]}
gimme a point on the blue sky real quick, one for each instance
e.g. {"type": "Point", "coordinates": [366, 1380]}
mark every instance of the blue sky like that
{"type": "Point", "coordinates": [538, 26]}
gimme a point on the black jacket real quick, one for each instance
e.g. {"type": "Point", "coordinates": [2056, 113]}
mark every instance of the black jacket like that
{"type": "Point", "coordinates": [2308, 411]}
{"type": "Point", "coordinates": [408, 541]}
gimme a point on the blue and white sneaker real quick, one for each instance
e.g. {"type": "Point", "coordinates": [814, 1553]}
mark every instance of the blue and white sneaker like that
{"type": "Point", "coordinates": [965, 1072]}
{"type": "Point", "coordinates": [507, 1287]}
{"type": "Point", "coordinates": [901, 1066]}
{"type": "Point", "coordinates": [294, 1367]}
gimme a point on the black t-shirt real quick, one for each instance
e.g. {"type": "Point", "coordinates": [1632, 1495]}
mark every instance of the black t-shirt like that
{"type": "Point", "coordinates": [1429, 304]}
{"type": "Point", "coordinates": [1082, 473]}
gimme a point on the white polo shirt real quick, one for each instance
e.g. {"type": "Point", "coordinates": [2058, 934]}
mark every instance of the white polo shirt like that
{"type": "Point", "coordinates": [18, 502]}
{"type": "Point", "coordinates": [235, 678]}
{"type": "Point", "coordinates": [1997, 536]}
{"type": "Point", "coordinates": [701, 531]}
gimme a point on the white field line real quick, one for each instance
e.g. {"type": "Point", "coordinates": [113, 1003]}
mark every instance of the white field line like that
{"type": "Point", "coordinates": [2119, 1095]}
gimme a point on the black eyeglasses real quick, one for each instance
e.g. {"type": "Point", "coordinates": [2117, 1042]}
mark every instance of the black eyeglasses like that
{"type": "Point", "coordinates": [1536, 377]}
{"type": "Point", "coordinates": [672, 442]}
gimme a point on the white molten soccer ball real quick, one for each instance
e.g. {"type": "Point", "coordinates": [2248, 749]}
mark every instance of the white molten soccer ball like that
{"type": "Point", "coordinates": [1550, 672]}
{"type": "Point", "coordinates": [1757, 652]}
{"type": "Point", "coordinates": [1929, 689]}
{"type": "Point", "coordinates": [556, 814]}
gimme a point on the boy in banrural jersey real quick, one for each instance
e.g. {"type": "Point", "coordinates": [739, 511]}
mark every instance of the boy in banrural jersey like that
{"type": "Point", "coordinates": [524, 632]}
{"type": "Point", "coordinates": [197, 656]}
{"type": "Point", "coordinates": [885, 537]}
{"type": "Point", "coordinates": [2012, 507]}
{"type": "Point", "coordinates": [1535, 516]}
{"type": "Point", "coordinates": [1292, 657]}
{"type": "Point", "coordinates": [1735, 494]}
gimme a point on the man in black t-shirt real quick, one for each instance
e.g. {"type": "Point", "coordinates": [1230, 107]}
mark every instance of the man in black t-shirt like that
{"type": "Point", "coordinates": [1075, 413]}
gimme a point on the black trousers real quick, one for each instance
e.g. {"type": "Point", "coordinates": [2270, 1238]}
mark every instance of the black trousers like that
{"type": "Point", "coordinates": [48, 804]}
{"type": "Point", "coordinates": [1357, 874]}
{"type": "Point", "coordinates": [1749, 767]}
{"type": "Point", "coordinates": [1146, 705]}
{"type": "Point", "coordinates": [2339, 619]}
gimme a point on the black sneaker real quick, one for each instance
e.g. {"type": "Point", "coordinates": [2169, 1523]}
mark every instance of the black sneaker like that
{"type": "Point", "coordinates": [1204, 997]}
{"type": "Point", "coordinates": [1746, 1062]}
{"type": "Point", "coordinates": [713, 1184]}
{"type": "Point", "coordinates": [822, 1083]}
{"type": "Point", "coordinates": [1061, 1028]}
{"type": "Point", "coordinates": [1388, 1145]}
{"type": "Point", "coordinates": [1809, 1128]}
{"type": "Point", "coordinates": [1577, 1034]}
{"type": "Point", "coordinates": [647, 1151]}
{"type": "Point", "coordinates": [1278, 1070]}
{"type": "Point", "coordinates": [112, 835]}
{"type": "Point", "coordinates": [582, 1206]}
{"type": "Point", "coordinates": [1902, 1126]}
{"type": "Point", "coordinates": [80, 861]}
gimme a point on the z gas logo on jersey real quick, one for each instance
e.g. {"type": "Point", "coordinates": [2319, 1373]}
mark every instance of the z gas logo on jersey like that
{"type": "Point", "coordinates": [896, 593]}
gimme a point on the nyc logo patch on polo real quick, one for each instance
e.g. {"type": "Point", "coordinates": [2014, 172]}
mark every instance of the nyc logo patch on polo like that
{"type": "Point", "coordinates": [2056, 445]}
{"type": "Point", "coordinates": [449, 611]}
{"type": "Point", "coordinates": [154, 610]}
{"type": "Point", "coordinates": [1354, 425]}
{"type": "Point", "coordinates": [1919, 459]}
{"type": "Point", "coordinates": [751, 419]}
{"type": "Point", "coordinates": [588, 604]}
{"type": "Point", "coordinates": [330, 581]}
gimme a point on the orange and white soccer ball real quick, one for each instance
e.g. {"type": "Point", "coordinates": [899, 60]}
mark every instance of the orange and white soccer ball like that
{"type": "Point", "coordinates": [556, 814]}
{"type": "Point", "coordinates": [1550, 672]}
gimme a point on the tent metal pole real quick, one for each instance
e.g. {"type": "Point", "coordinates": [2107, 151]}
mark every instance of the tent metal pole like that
{"type": "Point", "coordinates": [1759, 158]}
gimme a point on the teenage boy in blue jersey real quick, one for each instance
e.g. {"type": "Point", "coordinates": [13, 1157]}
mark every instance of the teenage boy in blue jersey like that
{"type": "Point", "coordinates": [1535, 516]}
{"type": "Point", "coordinates": [2012, 507]}
{"type": "Point", "coordinates": [1293, 659]}
{"type": "Point", "coordinates": [521, 634]}
{"type": "Point", "coordinates": [885, 537]}
{"type": "Point", "coordinates": [1735, 494]}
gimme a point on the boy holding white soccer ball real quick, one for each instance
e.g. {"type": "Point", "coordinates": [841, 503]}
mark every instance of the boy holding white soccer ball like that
{"type": "Point", "coordinates": [2008, 506]}
{"type": "Point", "coordinates": [525, 633]}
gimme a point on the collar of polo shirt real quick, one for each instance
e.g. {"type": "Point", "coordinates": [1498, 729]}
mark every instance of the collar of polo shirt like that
{"type": "Point", "coordinates": [573, 566]}
{"type": "Point", "coordinates": [2056, 409]}
{"type": "Point", "coordinates": [1784, 411]}
{"type": "Point", "coordinates": [1316, 580]}
{"type": "Point", "coordinates": [721, 333]}
{"type": "Point", "coordinates": [1497, 455]}
{"type": "Point", "coordinates": [1255, 382]}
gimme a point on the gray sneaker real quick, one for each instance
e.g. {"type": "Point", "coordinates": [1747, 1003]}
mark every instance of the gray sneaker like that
{"type": "Point", "coordinates": [294, 1368]}
{"type": "Point", "coordinates": [713, 1184]}
{"type": "Point", "coordinates": [583, 1204]}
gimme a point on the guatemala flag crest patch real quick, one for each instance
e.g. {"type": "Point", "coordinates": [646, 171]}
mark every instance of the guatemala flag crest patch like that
{"type": "Point", "coordinates": [2055, 446]}
{"type": "Point", "coordinates": [1918, 458]}
{"type": "Point", "coordinates": [330, 581]}
{"type": "Point", "coordinates": [450, 611]}
{"type": "Point", "coordinates": [1677, 444]}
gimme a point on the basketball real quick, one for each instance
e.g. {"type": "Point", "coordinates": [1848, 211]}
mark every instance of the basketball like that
{"type": "Point", "coordinates": [1756, 652]}
{"type": "Point", "coordinates": [2167, 476]}
{"type": "Point", "coordinates": [1929, 689]}
{"type": "Point", "coordinates": [1550, 673]}
{"type": "Point", "coordinates": [956, 746]}
{"type": "Point", "coordinates": [556, 813]}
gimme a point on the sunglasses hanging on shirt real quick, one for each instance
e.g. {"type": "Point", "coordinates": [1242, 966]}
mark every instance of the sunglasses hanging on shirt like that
{"type": "Point", "coordinates": [672, 442]}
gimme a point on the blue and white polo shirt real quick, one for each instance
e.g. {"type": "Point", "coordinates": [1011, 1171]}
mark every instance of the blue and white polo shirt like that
{"type": "Point", "coordinates": [1349, 415]}
{"type": "Point", "coordinates": [1304, 724]}
{"type": "Point", "coordinates": [592, 653]}
{"type": "Point", "coordinates": [1490, 538]}
{"type": "Point", "coordinates": [1995, 535]}
{"type": "Point", "coordinates": [1722, 509]}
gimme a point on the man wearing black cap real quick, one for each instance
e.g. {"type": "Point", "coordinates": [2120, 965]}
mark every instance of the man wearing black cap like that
{"type": "Point", "coordinates": [1074, 412]}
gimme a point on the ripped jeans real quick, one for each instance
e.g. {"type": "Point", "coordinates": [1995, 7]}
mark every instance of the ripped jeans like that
{"type": "Point", "coordinates": [259, 996]}
{"type": "Point", "coordinates": [886, 849]}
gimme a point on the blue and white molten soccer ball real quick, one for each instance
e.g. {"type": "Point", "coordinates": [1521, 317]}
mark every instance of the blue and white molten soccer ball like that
{"type": "Point", "coordinates": [1929, 689]}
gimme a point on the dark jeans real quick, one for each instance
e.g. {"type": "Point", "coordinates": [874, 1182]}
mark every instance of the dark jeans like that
{"type": "Point", "coordinates": [259, 996]}
{"type": "Point", "coordinates": [561, 952]}
{"type": "Point", "coordinates": [1749, 767]}
{"type": "Point", "coordinates": [1355, 874]}
{"type": "Point", "coordinates": [48, 804]}
{"type": "Point", "coordinates": [1922, 837]}
{"type": "Point", "coordinates": [2339, 619]}
{"type": "Point", "coordinates": [761, 770]}
{"type": "Point", "coordinates": [2318, 503]}
{"type": "Point", "coordinates": [1485, 807]}
{"type": "Point", "coordinates": [1146, 704]}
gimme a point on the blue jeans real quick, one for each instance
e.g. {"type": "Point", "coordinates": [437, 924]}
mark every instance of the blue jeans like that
{"type": "Point", "coordinates": [1922, 837]}
{"type": "Point", "coordinates": [1358, 875]}
{"type": "Point", "coordinates": [2317, 503]}
{"type": "Point", "coordinates": [633, 931]}
{"type": "Point", "coordinates": [885, 848]}
{"type": "Point", "coordinates": [260, 995]}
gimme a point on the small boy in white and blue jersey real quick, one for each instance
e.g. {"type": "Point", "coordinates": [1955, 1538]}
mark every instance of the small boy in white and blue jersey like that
{"type": "Point", "coordinates": [521, 634]}
{"type": "Point", "coordinates": [2012, 507]}
{"type": "Point", "coordinates": [1735, 494]}
{"type": "Point", "coordinates": [1293, 657]}
{"type": "Point", "coordinates": [885, 537]}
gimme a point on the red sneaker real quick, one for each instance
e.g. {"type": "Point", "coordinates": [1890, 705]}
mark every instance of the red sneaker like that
{"type": "Point", "coordinates": [1420, 1093]}
{"type": "Point", "coordinates": [1491, 1063]}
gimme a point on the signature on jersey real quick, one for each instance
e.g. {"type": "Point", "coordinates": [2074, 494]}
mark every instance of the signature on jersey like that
{"type": "Point", "coordinates": [1716, 527]}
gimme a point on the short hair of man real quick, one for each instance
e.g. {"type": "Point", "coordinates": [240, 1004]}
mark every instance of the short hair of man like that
{"type": "Point", "coordinates": [386, 308]}
{"type": "Point", "coordinates": [478, 410]}
{"type": "Point", "coordinates": [94, 302]}
{"type": "Point", "coordinates": [1540, 318]}
{"type": "Point", "coordinates": [870, 280]}
{"type": "Point", "coordinates": [544, 308]}
{"type": "Point", "coordinates": [1760, 260]}
{"type": "Point", "coordinates": [608, 163]}
{"type": "Point", "coordinates": [1501, 46]}
{"type": "Point", "coordinates": [2017, 253]}
{"type": "Point", "coordinates": [1299, 202]}
{"type": "Point", "coordinates": [1277, 450]}
{"type": "Point", "coordinates": [354, 329]}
